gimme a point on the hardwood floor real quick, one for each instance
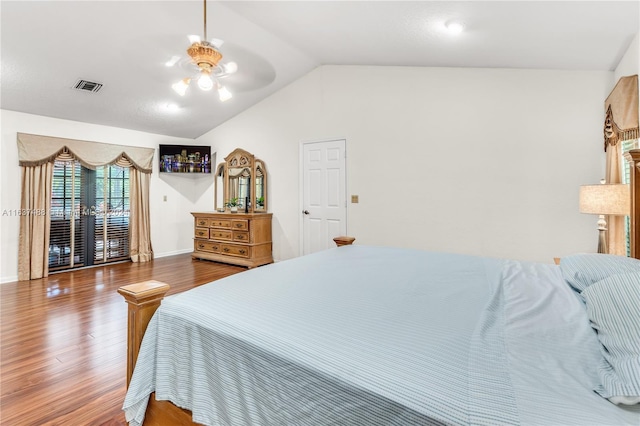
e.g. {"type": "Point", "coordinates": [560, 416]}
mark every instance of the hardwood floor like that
{"type": "Point", "coordinates": [63, 341]}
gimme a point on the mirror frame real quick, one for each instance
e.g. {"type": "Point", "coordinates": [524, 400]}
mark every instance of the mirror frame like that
{"type": "Point", "coordinates": [239, 158]}
{"type": "Point", "coordinates": [219, 176]}
{"type": "Point", "coordinates": [259, 164]}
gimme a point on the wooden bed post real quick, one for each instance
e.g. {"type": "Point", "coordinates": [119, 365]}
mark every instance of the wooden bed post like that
{"type": "Point", "coordinates": [143, 299]}
{"type": "Point", "coordinates": [343, 241]}
{"type": "Point", "coordinates": [633, 157]}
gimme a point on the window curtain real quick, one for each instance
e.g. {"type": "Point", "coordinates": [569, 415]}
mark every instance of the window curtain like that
{"type": "Point", "coordinates": [139, 223]}
{"type": "Point", "coordinates": [37, 155]}
{"type": "Point", "coordinates": [621, 124]}
{"type": "Point", "coordinates": [35, 222]}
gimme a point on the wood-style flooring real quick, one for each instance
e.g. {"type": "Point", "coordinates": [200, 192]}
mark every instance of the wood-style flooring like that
{"type": "Point", "coordinates": [63, 340]}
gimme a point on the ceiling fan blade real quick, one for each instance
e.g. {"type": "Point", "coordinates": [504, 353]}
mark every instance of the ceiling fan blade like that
{"type": "Point", "coordinates": [216, 42]}
{"type": "Point", "coordinates": [171, 62]}
{"type": "Point", "coordinates": [194, 38]}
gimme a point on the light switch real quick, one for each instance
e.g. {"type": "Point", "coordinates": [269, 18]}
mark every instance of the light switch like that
{"type": "Point", "coordinates": [354, 199]}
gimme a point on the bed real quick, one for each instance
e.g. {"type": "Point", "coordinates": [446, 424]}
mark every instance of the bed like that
{"type": "Point", "coordinates": [360, 335]}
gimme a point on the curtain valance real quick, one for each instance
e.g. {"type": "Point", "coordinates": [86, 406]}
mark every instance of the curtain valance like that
{"type": "Point", "coordinates": [34, 150]}
{"type": "Point", "coordinates": [621, 109]}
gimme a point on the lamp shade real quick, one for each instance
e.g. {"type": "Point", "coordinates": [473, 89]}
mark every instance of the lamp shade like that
{"type": "Point", "coordinates": [606, 199]}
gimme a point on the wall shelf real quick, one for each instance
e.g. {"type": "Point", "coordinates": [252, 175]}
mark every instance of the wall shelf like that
{"type": "Point", "coordinates": [185, 159]}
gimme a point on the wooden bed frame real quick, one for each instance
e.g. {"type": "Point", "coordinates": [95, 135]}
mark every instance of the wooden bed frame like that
{"type": "Point", "coordinates": [144, 298]}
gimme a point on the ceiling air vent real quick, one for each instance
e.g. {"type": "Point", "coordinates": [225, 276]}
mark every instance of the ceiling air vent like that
{"type": "Point", "coordinates": [89, 86]}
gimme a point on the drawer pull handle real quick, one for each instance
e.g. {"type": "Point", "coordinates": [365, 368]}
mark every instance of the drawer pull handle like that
{"type": "Point", "coordinates": [226, 249]}
{"type": "Point", "coordinates": [240, 237]}
{"type": "Point", "coordinates": [238, 225]}
{"type": "Point", "coordinates": [215, 247]}
{"type": "Point", "coordinates": [241, 251]}
{"type": "Point", "coordinates": [200, 246]}
{"type": "Point", "coordinates": [202, 222]}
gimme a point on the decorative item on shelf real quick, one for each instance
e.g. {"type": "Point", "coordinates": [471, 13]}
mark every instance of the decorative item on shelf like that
{"type": "Point", "coordinates": [193, 159]}
{"type": "Point", "coordinates": [233, 205]}
{"type": "Point", "coordinates": [605, 199]}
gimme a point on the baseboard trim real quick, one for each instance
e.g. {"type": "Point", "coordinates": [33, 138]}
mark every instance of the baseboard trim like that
{"type": "Point", "coordinates": [173, 253]}
{"type": "Point", "coordinates": [5, 280]}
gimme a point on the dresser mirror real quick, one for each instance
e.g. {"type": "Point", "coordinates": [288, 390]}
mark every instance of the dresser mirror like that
{"type": "Point", "coordinates": [243, 180]}
{"type": "Point", "coordinates": [218, 200]}
{"type": "Point", "coordinates": [261, 187]}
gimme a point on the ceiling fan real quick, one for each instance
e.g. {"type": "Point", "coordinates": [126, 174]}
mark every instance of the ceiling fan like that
{"type": "Point", "coordinates": [205, 54]}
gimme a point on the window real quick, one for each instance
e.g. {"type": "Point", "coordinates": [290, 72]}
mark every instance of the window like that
{"type": "Point", "coordinates": [89, 215]}
{"type": "Point", "coordinates": [65, 245]}
{"type": "Point", "coordinates": [112, 214]}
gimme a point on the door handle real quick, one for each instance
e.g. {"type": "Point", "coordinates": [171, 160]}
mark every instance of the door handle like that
{"type": "Point", "coordinates": [305, 211]}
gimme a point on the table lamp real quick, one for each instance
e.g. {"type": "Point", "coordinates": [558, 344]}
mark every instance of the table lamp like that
{"type": "Point", "coordinates": [605, 199]}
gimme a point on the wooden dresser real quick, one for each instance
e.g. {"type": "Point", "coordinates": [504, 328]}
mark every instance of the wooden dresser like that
{"type": "Point", "coordinates": [238, 238]}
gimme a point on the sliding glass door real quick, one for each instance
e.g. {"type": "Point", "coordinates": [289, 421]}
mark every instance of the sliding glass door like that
{"type": "Point", "coordinates": [89, 215]}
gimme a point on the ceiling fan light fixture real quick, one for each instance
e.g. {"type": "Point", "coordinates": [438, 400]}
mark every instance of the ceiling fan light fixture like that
{"type": "Point", "coordinates": [206, 56]}
{"type": "Point", "coordinates": [224, 93]}
{"type": "Point", "coordinates": [205, 82]}
{"type": "Point", "coordinates": [454, 27]}
{"type": "Point", "coordinates": [181, 86]}
{"type": "Point", "coordinates": [230, 67]}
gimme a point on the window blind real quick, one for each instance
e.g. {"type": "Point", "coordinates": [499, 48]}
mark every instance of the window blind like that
{"type": "Point", "coordinates": [89, 215]}
{"type": "Point", "coordinates": [112, 218]}
{"type": "Point", "coordinates": [65, 237]}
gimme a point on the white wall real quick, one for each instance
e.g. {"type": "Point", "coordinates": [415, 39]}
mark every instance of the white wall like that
{"type": "Point", "coordinates": [476, 161]}
{"type": "Point", "coordinates": [630, 62]}
{"type": "Point", "coordinates": [171, 221]}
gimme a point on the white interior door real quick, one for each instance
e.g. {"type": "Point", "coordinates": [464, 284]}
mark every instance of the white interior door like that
{"type": "Point", "coordinates": [324, 200]}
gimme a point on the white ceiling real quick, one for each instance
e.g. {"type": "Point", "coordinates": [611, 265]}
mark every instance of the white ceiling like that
{"type": "Point", "coordinates": [48, 45]}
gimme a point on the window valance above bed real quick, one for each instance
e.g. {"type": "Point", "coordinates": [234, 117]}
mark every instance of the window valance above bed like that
{"type": "Point", "coordinates": [621, 109]}
{"type": "Point", "coordinates": [34, 150]}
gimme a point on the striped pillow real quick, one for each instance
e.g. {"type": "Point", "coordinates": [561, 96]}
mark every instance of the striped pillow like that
{"type": "Point", "coordinates": [613, 307]}
{"type": "Point", "coordinates": [582, 270]}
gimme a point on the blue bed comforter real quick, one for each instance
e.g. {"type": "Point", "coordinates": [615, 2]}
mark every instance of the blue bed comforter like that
{"type": "Point", "coordinates": [363, 335]}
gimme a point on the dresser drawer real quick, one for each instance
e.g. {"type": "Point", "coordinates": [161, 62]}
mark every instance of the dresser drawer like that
{"type": "Point", "coordinates": [219, 234]}
{"type": "Point", "coordinates": [202, 222]}
{"type": "Point", "coordinates": [242, 239]}
{"type": "Point", "coordinates": [202, 233]}
{"type": "Point", "coordinates": [235, 250]}
{"type": "Point", "coordinates": [242, 225]}
{"type": "Point", "coordinates": [241, 236]}
{"type": "Point", "coordinates": [206, 246]}
{"type": "Point", "coordinates": [218, 223]}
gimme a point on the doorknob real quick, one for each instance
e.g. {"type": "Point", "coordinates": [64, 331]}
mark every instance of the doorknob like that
{"type": "Point", "coordinates": [305, 211]}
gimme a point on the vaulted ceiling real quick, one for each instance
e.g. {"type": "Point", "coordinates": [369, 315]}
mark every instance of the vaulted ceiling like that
{"type": "Point", "coordinates": [47, 46]}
